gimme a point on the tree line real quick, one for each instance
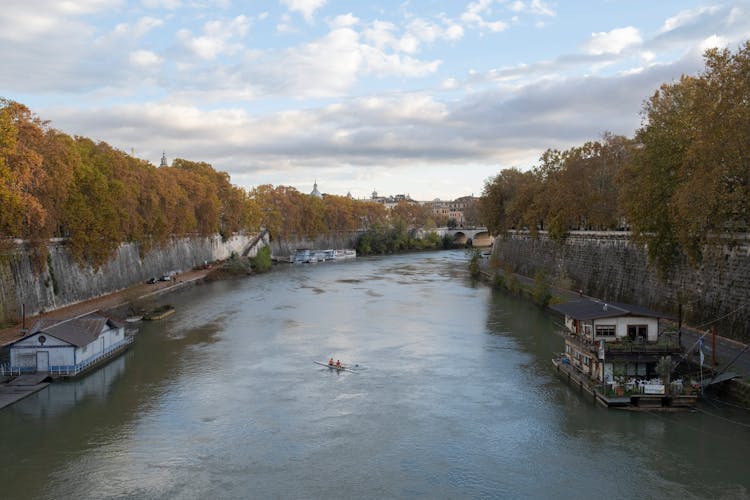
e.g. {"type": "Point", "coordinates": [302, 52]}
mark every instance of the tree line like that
{"type": "Point", "coordinates": [679, 184]}
{"type": "Point", "coordinates": [53, 185]}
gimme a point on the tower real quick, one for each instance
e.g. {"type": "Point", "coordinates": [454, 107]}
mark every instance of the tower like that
{"type": "Point", "coordinates": [315, 191]}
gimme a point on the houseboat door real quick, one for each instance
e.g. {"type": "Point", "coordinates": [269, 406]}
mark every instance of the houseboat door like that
{"type": "Point", "coordinates": [42, 361]}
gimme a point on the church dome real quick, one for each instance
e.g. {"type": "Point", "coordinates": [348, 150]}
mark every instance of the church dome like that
{"type": "Point", "coordinates": [315, 191]}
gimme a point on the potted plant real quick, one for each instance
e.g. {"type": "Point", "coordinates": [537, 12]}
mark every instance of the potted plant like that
{"type": "Point", "coordinates": [619, 386]}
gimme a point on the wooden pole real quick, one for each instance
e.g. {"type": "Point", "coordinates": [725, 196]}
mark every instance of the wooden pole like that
{"type": "Point", "coordinates": [713, 347]}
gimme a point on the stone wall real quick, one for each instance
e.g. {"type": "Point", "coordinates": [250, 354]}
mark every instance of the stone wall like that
{"type": "Point", "coordinates": [608, 265]}
{"type": "Point", "coordinates": [65, 282]}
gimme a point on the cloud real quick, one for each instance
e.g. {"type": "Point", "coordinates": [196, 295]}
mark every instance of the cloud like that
{"type": "Point", "coordinates": [305, 7]}
{"type": "Point", "coordinates": [162, 4]}
{"type": "Point", "coordinates": [535, 7]}
{"type": "Point", "coordinates": [217, 37]}
{"type": "Point", "coordinates": [344, 21]}
{"type": "Point", "coordinates": [474, 16]}
{"type": "Point", "coordinates": [612, 42]}
{"type": "Point", "coordinates": [145, 58]}
{"type": "Point", "coordinates": [540, 8]}
{"type": "Point", "coordinates": [493, 127]}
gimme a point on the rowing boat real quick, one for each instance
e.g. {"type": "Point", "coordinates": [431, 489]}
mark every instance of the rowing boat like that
{"type": "Point", "coordinates": [341, 368]}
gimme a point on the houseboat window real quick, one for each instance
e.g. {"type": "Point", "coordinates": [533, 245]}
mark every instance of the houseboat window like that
{"type": "Point", "coordinates": [631, 369]}
{"type": "Point", "coordinates": [638, 332]}
{"type": "Point", "coordinates": [618, 369]}
{"type": "Point", "coordinates": [642, 369]}
{"type": "Point", "coordinates": [605, 330]}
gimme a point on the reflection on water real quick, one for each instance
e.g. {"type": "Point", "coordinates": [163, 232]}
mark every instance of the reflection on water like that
{"type": "Point", "coordinates": [454, 397]}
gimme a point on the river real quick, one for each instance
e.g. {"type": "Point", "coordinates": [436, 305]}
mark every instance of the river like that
{"type": "Point", "coordinates": [454, 397]}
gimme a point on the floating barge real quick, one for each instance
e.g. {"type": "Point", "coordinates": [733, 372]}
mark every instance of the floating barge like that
{"type": "Point", "coordinates": [160, 313]}
{"type": "Point", "coordinates": [631, 400]}
{"type": "Point", "coordinates": [66, 348]}
{"type": "Point", "coordinates": [307, 256]}
{"type": "Point", "coordinates": [616, 353]}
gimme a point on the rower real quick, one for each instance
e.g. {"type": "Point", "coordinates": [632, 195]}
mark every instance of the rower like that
{"type": "Point", "coordinates": [338, 363]}
{"type": "Point", "coordinates": [330, 362]}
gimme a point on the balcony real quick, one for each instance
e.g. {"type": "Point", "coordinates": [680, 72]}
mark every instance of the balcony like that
{"type": "Point", "coordinates": [667, 343]}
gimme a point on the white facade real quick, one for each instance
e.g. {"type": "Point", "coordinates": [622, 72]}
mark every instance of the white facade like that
{"type": "Point", "coordinates": [598, 328]}
{"type": "Point", "coordinates": [53, 349]}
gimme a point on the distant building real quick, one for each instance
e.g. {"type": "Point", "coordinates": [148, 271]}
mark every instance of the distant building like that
{"type": "Point", "coordinates": [163, 159]}
{"type": "Point", "coordinates": [392, 201]}
{"type": "Point", "coordinates": [451, 209]}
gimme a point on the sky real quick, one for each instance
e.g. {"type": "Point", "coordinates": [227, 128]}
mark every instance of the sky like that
{"type": "Point", "coordinates": [426, 98]}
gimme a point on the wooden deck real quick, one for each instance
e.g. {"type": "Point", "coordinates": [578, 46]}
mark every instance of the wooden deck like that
{"type": "Point", "coordinates": [630, 402]}
{"type": "Point", "coordinates": [21, 387]}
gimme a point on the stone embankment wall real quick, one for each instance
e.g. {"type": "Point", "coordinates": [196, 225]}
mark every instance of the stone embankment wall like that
{"type": "Point", "coordinates": [608, 265]}
{"type": "Point", "coordinates": [65, 282]}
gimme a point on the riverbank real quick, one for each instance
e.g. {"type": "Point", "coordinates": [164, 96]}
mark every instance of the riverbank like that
{"type": "Point", "coordinates": [723, 353]}
{"type": "Point", "coordinates": [110, 301]}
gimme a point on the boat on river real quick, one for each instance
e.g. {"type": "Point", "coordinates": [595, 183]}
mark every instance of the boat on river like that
{"type": "Point", "coordinates": [159, 313]}
{"type": "Point", "coordinates": [306, 255]}
{"type": "Point", "coordinates": [339, 368]}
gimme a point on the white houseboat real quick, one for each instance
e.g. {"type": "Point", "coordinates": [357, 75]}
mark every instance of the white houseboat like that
{"type": "Point", "coordinates": [612, 351]}
{"type": "Point", "coordinates": [68, 347]}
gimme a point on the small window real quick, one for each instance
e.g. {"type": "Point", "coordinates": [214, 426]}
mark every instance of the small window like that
{"type": "Point", "coordinates": [638, 333]}
{"type": "Point", "coordinates": [605, 330]}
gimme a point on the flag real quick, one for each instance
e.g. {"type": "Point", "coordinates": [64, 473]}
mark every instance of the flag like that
{"type": "Point", "coordinates": [700, 350]}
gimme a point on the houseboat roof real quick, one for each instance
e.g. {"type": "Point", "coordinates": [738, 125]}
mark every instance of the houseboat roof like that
{"type": "Point", "coordinates": [587, 309]}
{"type": "Point", "coordinates": [76, 331]}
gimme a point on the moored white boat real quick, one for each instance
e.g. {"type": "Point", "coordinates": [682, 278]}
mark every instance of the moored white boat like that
{"type": "Point", "coordinates": [346, 253]}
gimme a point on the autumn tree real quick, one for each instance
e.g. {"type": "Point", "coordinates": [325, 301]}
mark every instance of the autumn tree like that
{"type": "Point", "coordinates": [497, 199]}
{"type": "Point", "coordinates": [688, 181]}
{"type": "Point", "coordinates": [21, 173]}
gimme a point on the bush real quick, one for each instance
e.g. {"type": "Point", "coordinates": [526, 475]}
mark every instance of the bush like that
{"type": "Point", "coordinates": [262, 261]}
{"type": "Point", "coordinates": [475, 268]}
{"type": "Point", "coordinates": [542, 294]}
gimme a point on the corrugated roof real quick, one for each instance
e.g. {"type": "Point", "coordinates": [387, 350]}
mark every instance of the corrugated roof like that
{"type": "Point", "coordinates": [588, 309]}
{"type": "Point", "coordinates": [77, 331]}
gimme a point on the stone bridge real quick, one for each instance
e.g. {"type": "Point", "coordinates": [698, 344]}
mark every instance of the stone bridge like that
{"type": "Point", "coordinates": [475, 236]}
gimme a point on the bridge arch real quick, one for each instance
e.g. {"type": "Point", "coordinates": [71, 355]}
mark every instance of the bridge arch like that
{"type": "Point", "coordinates": [460, 238]}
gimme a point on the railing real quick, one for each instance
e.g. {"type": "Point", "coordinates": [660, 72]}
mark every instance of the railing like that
{"type": "Point", "coordinates": [667, 343]}
{"type": "Point", "coordinates": [7, 371]}
{"type": "Point", "coordinates": [67, 371]}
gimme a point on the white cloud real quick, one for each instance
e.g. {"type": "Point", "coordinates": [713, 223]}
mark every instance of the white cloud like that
{"type": "Point", "coordinates": [713, 42]}
{"type": "Point", "coordinates": [429, 32]}
{"type": "Point", "coordinates": [305, 7]}
{"type": "Point", "coordinates": [344, 21]}
{"type": "Point", "coordinates": [162, 4]}
{"type": "Point", "coordinates": [687, 17]}
{"type": "Point", "coordinates": [535, 7]}
{"type": "Point", "coordinates": [285, 26]}
{"type": "Point", "coordinates": [146, 24]}
{"type": "Point", "coordinates": [612, 42]}
{"type": "Point", "coordinates": [540, 8]}
{"type": "Point", "coordinates": [145, 58]}
{"type": "Point", "coordinates": [474, 16]}
{"type": "Point", "coordinates": [217, 38]}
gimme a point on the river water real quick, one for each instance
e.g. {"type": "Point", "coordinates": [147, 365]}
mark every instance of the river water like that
{"type": "Point", "coordinates": [455, 397]}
